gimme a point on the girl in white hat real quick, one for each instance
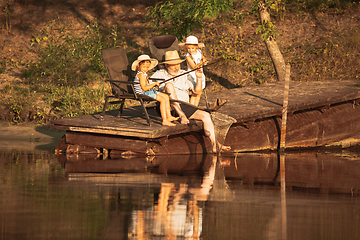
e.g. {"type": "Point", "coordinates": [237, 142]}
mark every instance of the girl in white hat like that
{"type": "Point", "coordinates": [194, 59]}
{"type": "Point", "coordinates": [143, 85]}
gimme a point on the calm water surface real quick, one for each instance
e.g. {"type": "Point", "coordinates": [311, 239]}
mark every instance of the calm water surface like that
{"type": "Point", "coordinates": [307, 195]}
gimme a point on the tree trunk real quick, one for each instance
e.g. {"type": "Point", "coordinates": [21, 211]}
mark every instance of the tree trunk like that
{"type": "Point", "coordinates": [272, 46]}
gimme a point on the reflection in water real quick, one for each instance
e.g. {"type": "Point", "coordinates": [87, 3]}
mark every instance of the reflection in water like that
{"type": "Point", "coordinates": [283, 197]}
{"type": "Point", "coordinates": [250, 196]}
{"type": "Point", "coordinates": [175, 214]}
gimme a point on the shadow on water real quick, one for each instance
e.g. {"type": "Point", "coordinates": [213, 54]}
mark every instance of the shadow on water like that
{"type": "Point", "coordinates": [30, 137]}
{"type": "Point", "coordinates": [304, 195]}
{"type": "Point", "coordinates": [54, 135]}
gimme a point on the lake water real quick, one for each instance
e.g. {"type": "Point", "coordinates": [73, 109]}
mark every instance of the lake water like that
{"type": "Point", "coordinates": [302, 195]}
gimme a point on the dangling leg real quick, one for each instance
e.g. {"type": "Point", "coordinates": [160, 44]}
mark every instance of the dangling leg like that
{"type": "Point", "coordinates": [169, 117]}
{"type": "Point", "coordinates": [209, 129]}
{"type": "Point", "coordinates": [162, 101]}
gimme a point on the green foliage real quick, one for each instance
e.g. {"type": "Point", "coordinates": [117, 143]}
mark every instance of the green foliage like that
{"type": "Point", "coordinates": [254, 5]}
{"type": "Point", "coordinates": [180, 17]}
{"type": "Point", "coordinates": [68, 78]}
{"type": "Point", "coordinates": [236, 17]}
{"type": "Point", "coordinates": [70, 102]}
{"type": "Point", "coordinates": [62, 101]}
{"type": "Point", "coordinates": [267, 29]}
{"type": "Point", "coordinates": [257, 67]}
{"type": "Point", "coordinates": [22, 100]}
{"type": "Point", "coordinates": [68, 60]}
{"type": "Point", "coordinates": [231, 56]}
{"type": "Point", "coordinates": [2, 69]}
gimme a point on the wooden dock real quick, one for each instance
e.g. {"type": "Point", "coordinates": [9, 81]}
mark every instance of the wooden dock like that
{"type": "Point", "coordinates": [319, 113]}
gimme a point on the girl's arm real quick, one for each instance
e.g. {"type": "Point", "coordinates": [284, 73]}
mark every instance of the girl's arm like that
{"type": "Point", "coordinates": [144, 83]}
{"type": "Point", "coordinates": [203, 60]}
{"type": "Point", "coordinates": [190, 61]}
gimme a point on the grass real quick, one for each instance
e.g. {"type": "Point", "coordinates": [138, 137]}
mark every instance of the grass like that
{"type": "Point", "coordinates": [66, 78]}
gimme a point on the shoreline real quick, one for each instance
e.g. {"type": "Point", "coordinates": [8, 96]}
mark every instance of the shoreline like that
{"type": "Point", "coordinates": [29, 137]}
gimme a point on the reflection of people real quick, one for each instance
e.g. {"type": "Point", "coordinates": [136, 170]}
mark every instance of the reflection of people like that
{"type": "Point", "coordinates": [173, 216]}
{"type": "Point", "coordinates": [179, 88]}
{"type": "Point", "coordinates": [194, 59]}
{"type": "Point", "coordinates": [142, 85]}
{"type": "Point", "coordinates": [202, 193]}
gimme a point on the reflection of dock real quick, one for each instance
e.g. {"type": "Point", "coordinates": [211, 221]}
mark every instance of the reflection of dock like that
{"type": "Point", "coordinates": [320, 113]}
{"type": "Point", "coordinates": [310, 171]}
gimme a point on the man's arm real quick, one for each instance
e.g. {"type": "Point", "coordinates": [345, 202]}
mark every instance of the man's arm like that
{"type": "Point", "coordinates": [160, 74]}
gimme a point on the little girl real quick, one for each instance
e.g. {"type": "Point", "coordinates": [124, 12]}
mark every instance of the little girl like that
{"type": "Point", "coordinates": [142, 85]}
{"type": "Point", "coordinates": [194, 59]}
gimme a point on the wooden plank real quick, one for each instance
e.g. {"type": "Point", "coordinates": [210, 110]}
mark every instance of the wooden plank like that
{"type": "Point", "coordinates": [266, 100]}
{"type": "Point", "coordinates": [108, 141]}
{"type": "Point", "coordinates": [128, 125]}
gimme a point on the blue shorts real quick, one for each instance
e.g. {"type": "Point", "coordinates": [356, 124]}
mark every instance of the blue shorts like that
{"type": "Point", "coordinates": [151, 93]}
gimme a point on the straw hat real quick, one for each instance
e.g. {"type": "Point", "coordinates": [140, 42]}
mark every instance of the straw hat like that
{"type": "Point", "coordinates": [193, 41]}
{"type": "Point", "coordinates": [144, 57]}
{"type": "Point", "coordinates": [172, 57]}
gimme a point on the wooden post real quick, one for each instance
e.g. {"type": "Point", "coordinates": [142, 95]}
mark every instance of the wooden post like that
{"type": "Point", "coordinates": [285, 108]}
{"type": "Point", "coordinates": [283, 198]}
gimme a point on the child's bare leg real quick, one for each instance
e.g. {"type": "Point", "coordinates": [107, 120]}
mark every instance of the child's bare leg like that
{"type": "Point", "coordinates": [168, 109]}
{"type": "Point", "coordinates": [162, 101]}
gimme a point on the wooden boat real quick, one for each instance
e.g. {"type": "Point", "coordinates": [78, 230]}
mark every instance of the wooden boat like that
{"type": "Point", "coordinates": [320, 114]}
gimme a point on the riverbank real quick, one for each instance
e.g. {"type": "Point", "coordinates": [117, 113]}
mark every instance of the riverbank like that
{"type": "Point", "coordinates": [29, 137]}
{"type": "Point", "coordinates": [319, 44]}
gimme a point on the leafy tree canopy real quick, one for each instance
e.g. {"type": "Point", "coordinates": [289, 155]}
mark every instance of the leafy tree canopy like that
{"type": "Point", "coordinates": [180, 17]}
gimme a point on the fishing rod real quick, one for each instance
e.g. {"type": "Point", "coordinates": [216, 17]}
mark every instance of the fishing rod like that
{"type": "Point", "coordinates": [159, 79]}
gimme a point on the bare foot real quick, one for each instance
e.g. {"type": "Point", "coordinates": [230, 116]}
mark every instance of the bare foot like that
{"type": "Point", "coordinates": [171, 119]}
{"type": "Point", "coordinates": [184, 120]}
{"type": "Point", "coordinates": [169, 124]}
{"type": "Point", "coordinates": [223, 149]}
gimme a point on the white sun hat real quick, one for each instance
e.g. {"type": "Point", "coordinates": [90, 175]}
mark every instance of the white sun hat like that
{"type": "Point", "coordinates": [193, 41]}
{"type": "Point", "coordinates": [144, 57]}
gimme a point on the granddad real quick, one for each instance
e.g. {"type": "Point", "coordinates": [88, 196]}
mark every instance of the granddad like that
{"type": "Point", "coordinates": [180, 88]}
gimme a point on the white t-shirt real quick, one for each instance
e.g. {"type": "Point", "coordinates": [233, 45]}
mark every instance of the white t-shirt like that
{"type": "Point", "coordinates": [197, 59]}
{"type": "Point", "coordinates": [183, 84]}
